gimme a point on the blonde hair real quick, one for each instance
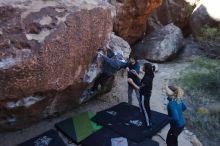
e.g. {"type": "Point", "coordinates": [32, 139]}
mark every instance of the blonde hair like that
{"type": "Point", "coordinates": [177, 92]}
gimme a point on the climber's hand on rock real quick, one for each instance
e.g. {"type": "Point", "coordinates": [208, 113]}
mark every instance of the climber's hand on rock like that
{"type": "Point", "coordinates": [100, 53]}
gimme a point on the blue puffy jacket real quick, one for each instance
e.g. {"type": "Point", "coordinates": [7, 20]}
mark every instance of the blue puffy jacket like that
{"type": "Point", "coordinates": [112, 65]}
{"type": "Point", "coordinates": [175, 110]}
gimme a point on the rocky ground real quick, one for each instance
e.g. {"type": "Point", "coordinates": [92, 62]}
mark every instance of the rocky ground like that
{"type": "Point", "coordinates": [118, 94]}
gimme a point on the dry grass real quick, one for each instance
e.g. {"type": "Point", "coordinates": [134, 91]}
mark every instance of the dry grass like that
{"type": "Point", "coordinates": [201, 82]}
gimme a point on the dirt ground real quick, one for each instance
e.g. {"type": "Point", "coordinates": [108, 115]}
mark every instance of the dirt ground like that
{"type": "Point", "coordinates": [118, 94]}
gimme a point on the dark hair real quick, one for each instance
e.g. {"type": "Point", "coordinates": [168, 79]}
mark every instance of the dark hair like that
{"type": "Point", "coordinates": [134, 57]}
{"type": "Point", "coordinates": [149, 69]}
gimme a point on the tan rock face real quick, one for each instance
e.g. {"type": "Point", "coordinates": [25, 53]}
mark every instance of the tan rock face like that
{"type": "Point", "coordinates": [45, 48]}
{"type": "Point", "coordinates": [131, 18]}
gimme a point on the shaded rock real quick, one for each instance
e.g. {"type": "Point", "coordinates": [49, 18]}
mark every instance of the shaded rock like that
{"type": "Point", "coordinates": [45, 49]}
{"type": "Point", "coordinates": [205, 26]}
{"type": "Point", "coordinates": [177, 12]}
{"type": "Point", "coordinates": [131, 17]}
{"type": "Point", "coordinates": [160, 45]}
{"type": "Point", "coordinates": [191, 50]}
{"type": "Point", "coordinates": [206, 14]}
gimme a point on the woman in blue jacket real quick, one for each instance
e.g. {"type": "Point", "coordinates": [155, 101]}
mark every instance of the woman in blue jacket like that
{"type": "Point", "coordinates": [175, 108]}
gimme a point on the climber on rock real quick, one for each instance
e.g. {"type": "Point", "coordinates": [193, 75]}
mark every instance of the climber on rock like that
{"type": "Point", "coordinates": [111, 64]}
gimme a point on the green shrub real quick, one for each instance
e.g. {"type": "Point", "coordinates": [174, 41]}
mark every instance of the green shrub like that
{"type": "Point", "coordinates": [209, 36]}
{"type": "Point", "coordinates": [189, 8]}
{"type": "Point", "coordinates": [204, 75]}
{"type": "Point", "coordinates": [201, 82]}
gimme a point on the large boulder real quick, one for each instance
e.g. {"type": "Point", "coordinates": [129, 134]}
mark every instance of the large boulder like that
{"type": "Point", "coordinates": [45, 49]}
{"type": "Point", "coordinates": [131, 17]}
{"type": "Point", "coordinates": [206, 14]}
{"type": "Point", "coordinates": [160, 45]}
{"type": "Point", "coordinates": [177, 12]}
{"type": "Point", "coordinates": [205, 26]}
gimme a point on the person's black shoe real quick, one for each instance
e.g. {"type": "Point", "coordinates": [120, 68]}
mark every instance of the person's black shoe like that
{"type": "Point", "coordinates": [149, 127]}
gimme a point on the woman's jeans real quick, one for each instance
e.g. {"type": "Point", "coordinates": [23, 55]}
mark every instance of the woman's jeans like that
{"type": "Point", "coordinates": [130, 91]}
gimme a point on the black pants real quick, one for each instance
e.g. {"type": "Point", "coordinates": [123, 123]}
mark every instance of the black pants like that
{"type": "Point", "coordinates": [145, 105]}
{"type": "Point", "coordinates": [101, 79]}
{"type": "Point", "coordinates": [172, 135]}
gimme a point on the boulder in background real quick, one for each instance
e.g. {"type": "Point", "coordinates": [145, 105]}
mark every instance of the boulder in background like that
{"type": "Point", "coordinates": [177, 12]}
{"type": "Point", "coordinates": [160, 45]}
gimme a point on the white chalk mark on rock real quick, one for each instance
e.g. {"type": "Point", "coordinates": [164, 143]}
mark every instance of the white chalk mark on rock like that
{"type": "Point", "coordinates": [25, 102]}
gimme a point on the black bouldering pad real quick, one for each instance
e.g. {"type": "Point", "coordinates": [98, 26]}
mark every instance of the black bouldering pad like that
{"type": "Point", "coordinates": [103, 138]}
{"type": "Point", "coordinates": [128, 121]}
{"type": "Point", "coordinates": [78, 127]}
{"type": "Point", "coordinates": [49, 138]}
